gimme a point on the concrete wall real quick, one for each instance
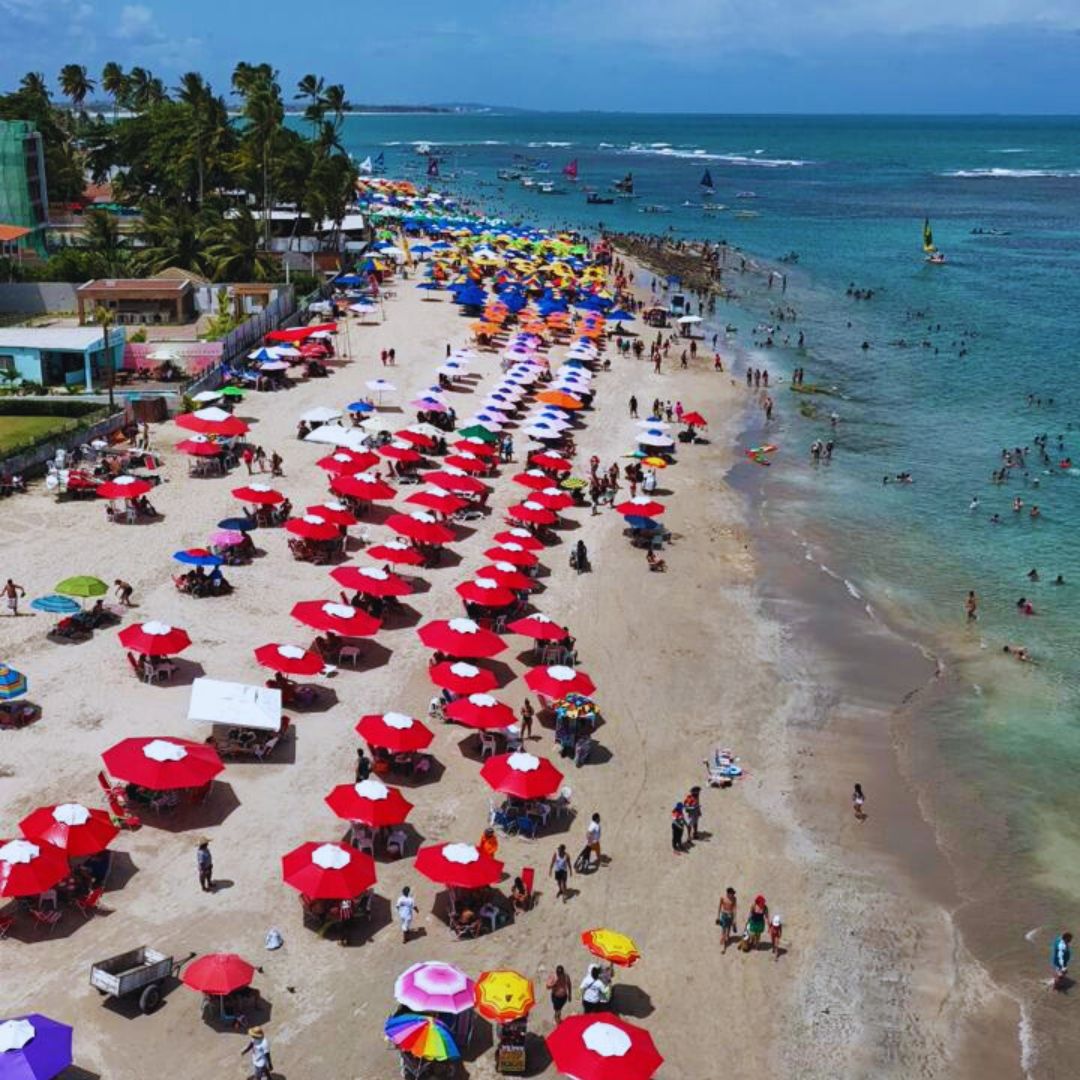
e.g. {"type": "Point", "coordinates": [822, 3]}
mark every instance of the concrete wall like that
{"type": "Point", "coordinates": [36, 297]}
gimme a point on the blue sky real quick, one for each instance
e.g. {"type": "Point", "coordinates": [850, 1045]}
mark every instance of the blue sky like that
{"type": "Point", "coordinates": [635, 55]}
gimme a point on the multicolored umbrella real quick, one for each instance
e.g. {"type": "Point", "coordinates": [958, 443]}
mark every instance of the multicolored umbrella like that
{"type": "Point", "coordinates": [460, 866]}
{"type": "Point", "coordinates": [328, 871]}
{"type": "Point", "coordinates": [154, 638]}
{"type": "Point", "coordinates": [502, 996]}
{"type": "Point", "coordinates": [601, 1046]}
{"type": "Point", "coordinates": [163, 763]}
{"type": "Point", "coordinates": [33, 1047]}
{"type": "Point", "coordinates": [432, 986]}
{"type": "Point", "coordinates": [525, 776]}
{"type": "Point", "coordinates": [558, 680]}
{"type": "Point", "coordinates": [218, 973]}
{"type": "Point", "coordinates": [73, 828]}
{"type": "Point", "coordinates": [12, 683]}
{"type": "Point", "coordinates": [28, 867]}
{"type": "Point", "coordinates": [395, 732]}
{"type": "Point", "coordinates": [197, 557]}
{"type": "Point", "coordinates": [421, 1036]}
{"type": "Point", "coordinates": [370, 802]}
{"type": "Point", "coordinates": [612, 946]}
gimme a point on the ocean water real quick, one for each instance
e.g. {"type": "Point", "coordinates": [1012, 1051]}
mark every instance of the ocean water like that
{"type": "Point", "coordinates": [955, 351]}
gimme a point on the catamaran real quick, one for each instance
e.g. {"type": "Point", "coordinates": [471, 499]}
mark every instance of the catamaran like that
{"type": "Point", "coordinates": [932, 254]}
{"type": "Point", "coordinates": [625, 186]}
{"type": "Point", "coordinates": [570, 171]}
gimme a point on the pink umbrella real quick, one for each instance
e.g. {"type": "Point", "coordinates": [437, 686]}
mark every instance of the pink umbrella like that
{"type": "Point", "coordinates": [432, 986]}
{"type": "Point", "coordinates": [226, 538]}
{"type": "Point", "coordinates": [557, 681]}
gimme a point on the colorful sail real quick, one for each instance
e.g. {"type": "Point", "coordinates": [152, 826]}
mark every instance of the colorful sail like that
{"type": "Point", "coordinates": [706, 181]}
{"type": "Point", "coordinates": [570, 169]}
{"type": "Point", "coordinates": [927, 237]}
{"type": "Point", "coordinates": [366, 166]}
{"type": "Point", "coordinates": [380, 162]}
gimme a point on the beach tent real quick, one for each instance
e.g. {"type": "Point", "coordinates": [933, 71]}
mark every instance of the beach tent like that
{"type": "Point", "coordinates": [214, 701]}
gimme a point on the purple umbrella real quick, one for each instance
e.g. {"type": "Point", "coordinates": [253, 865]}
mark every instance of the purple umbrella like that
{"type": "Point", "coordinates": [33, 1047]}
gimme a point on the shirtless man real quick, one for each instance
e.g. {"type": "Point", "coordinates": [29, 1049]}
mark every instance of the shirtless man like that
{"type": "Point", "coordinates": [12, 592]}
{"type": "Point", "coordinates": [726, 916]}
{"type": "Point", "coordinates": [971, 606]}
{"type": "Point", "coordinates": [1018, 652]}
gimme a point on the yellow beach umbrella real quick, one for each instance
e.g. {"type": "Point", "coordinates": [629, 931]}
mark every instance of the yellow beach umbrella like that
{"type": "Point", "coordinates": [612, 946]}
{"type": "Point", "coordinates": [655, 462]}
{"type": "Point", "coordinates": [502, 996]}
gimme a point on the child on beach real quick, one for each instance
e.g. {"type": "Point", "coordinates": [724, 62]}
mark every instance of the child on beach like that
{"type": "Point", "coordinates": [776, 929]}
{"type": "Point", "coordinates": [858, 799]}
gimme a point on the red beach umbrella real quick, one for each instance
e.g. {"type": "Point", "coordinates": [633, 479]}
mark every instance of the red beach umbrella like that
{"type": "Point", "coordinates": [537, 626]}
{"type": "Point", "coordinates": [164, 763]}
{"type": "Point", "coordinates": [533, 513]}
{"type": "Point", "coordinates": [200, 446]}
{"type": "Point", "coordinates": [505, 574]}
{"type": "Point", "coordinates": [485, 592]}
{"type": "Point", "coordinates": [601, 1046]}
{"type": "Point", "coordinates": [421, 527]}
{"type": "Point", "coordinates": [226, 426]}
{"type": "Point", "coordinates": [396, 552]}
{"type": "Point", "coordinates": [641, 506]}
{"type": "Point", "coordinates": [312, 527]}
{"type": "Point", "coordinates": [340, 618]}
{"type": "Point", "coordinates": [534, 479]}
{"type": "Point", "coordinates": [394, 731]}
{"type": "Point", "coordinates": [328, 871]}
{"type": "Point", "coordinates": [334, 512]}
{"type": "Point", "coordinates": [557, 681]}
{"type": "Point", "coordinates": [370, 802]}
{"type": "Point", "coordinates": [371, 581]}
{"type": "Point", "coordinates": [480, 711]}
{"type": "Point", "coordinates": [258, 495]}
{"type": "Point", "coordinates": [457, 484]}
{"type": "Point", "coordinates": [73, 828]}
{"type": "Point", "coordinates": [521, 537]}
{"type": "Point", "coordinates": [695, 419]}
{"type": "Point", "coordinates": [400, 451]}
{"type": "Point", "coordinates": [461, 678]}
{"type": "Point", "coordinates": [512, 553]}
{"type": "Point", "coordinates": [459, 866]}
{"type": "Point", "coordinates": [154, 638]}
{"type": "Point", "coordinates": [416, 438]}
{"type": "Point", "coordinates": [524, 776]}
{"type": "Point", "coordinates": [552, 499]}
{"type": "Point", "coordinates": [344, 462]}
{"type": "Point", "coordinates": [362, 486]}
{"type": "Point", "coordinates": [442, 502]}
{"type": "Point", "coordinates": [289, 659]}
{"type": "Point", "coordinates": [123, 487]}
{"type": "Point", "coordinates": [28, 867]}
{"type": "Point", "coordinates": [477, 447]}
{"type": "Point", "coordinates": [218, 973]}
{"type": "Point", "coordinates": [551, 463]}
{"type": "Point", "coordinates": [467, 463]}
{"type": "Point", "coordinates": [461, 637]}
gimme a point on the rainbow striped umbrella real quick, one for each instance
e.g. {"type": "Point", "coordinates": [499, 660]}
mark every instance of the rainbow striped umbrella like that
{"type": "Point", "coordinates": [12, 683]}
{"type": "Point", "coordinates": [421, 1036]}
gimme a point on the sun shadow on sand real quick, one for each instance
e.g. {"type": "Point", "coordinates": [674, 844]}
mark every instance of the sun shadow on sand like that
{"type": "Point", "coordinates": [220, 803]}
{"type": "Point", "coordinates": [627, 1000]}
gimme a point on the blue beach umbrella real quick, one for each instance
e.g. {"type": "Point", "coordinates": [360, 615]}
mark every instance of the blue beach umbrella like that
{"type": "Point", "coordinates": [620, 316]}
{"type": "Point", "coordinates": [197, 557]}
{"type": "Point", "coordinates": [642, 524]}
{"type": "Point", "coordinates": [237, 524]}
{"type": "Point", "coordinates": [360, 407]}
{"type": "Point", "coordinates": [12, 683]}
{"type": "Point", "coordinates": [262, 355]}
{"type": "Point", "coordinates": [55, 605]}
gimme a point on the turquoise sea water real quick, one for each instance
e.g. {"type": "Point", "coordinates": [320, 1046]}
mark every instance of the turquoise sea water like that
{"type": "Point", "coordinates": [849, 195]}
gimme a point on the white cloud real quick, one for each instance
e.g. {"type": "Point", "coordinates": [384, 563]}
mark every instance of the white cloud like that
{"type": "Point", "coordinates": [137, 23]}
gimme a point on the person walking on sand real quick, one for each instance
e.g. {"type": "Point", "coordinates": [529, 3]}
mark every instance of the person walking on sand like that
{"type": "Point", "coordinates": [971, 606]}
{"type": "Point", "coordinates": [259, 1048]}
{"type": "Point", "coordinates": [275, 464]}
{"type": "Point", "coordinates": [405, 905]}
{"type": "Point", "coordinates": [776, 930]}
{"type": "Point", "coordinates": [204, 862]}
{"type": "Point", "coordinates": [123, 592]}
{"type": "Point", "coordinates": [858, 801]}
{"type": "Point", "coordinates": [247, 456]}
{"type": "Point", "coordinates": [1060, 955]}
{"type": "Point", "coordinates": [528, 714]}
{"type": "Point", "coordinates": [678, 827]}
{"type": "Point", "coordinates": [755, 924]}
{"type": "Point", "coordinates": [726, 916]}
{"type": "Point", "coordinates": [561, 870]}
{"type": "Point", "coordinates": [593, 991]}
{"type": "Point", "coordinates": [561, 990]}
{"type": "Point", "coordinates": [633, 407]}
{"type": "Point", "coordinates": [12, 592]}
{"type": "Point", "coordinates": [592, 839]}
{"type": "Point", "coordinates": [692, 807]}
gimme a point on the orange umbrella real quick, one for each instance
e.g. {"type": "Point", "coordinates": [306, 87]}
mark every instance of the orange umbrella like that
{"type": "Point", "coordinates": [557, 397]}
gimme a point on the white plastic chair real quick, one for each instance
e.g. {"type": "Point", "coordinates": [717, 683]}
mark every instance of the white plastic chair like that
{"type": "Point", "coordinates": [489, 745]}
{"type": "Point", "coordinates": [349, 654]}
{"type": "Point", "coordinates": [562, 803]}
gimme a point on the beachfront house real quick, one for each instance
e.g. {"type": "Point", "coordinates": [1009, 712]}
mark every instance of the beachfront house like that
{"type": "Point", "coordinates": [138, 301]}
{"type": "Point", "coordinates": [60, 355]}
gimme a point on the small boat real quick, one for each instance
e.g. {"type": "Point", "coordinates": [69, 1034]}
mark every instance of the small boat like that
{"type": "Point", "coordinates": [594, 199]}
{"type": "Point", "coordinates": [713, 208]}
{"type": "Point", "coordinates": [547, 187]}
{"type": "Point", "coordinates": [625, 186]}
{"type": "Point", "coordinates": [746, 195]}
{"type": "Point", "coordinates": [933, 256]}
{"type": "Point", "coordinates": [528, 182]}
{"type": "Point", "coordinates": [508, 174]}
{"type": "Point", "coordinates": [654, 208]}
{"type": "Point", "coordinates": [706, 182]}
{"type": "Point", "coordinates": [570, 170]}
{"type": "Point", "coordinates": [746, 214]}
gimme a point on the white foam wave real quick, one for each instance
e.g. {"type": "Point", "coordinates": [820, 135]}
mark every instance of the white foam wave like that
{"type": "Point", "coordinates": [1014, 174]}
{"type": "Point", "coordinates": [1011, 150]}
{"type": "Point", "coordinates": [551, 145]}
{"type": "Point", "coordinates": [852, 590]}
{"type": "Point", "coordinates": [699, 154]}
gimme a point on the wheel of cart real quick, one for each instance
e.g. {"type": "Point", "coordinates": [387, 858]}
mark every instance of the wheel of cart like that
{"type": "Point", "coordinates": [142, 972]}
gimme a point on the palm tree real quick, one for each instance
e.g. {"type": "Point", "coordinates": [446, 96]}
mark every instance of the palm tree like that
{"type": "Point", "coordinates": [145, 89]}
{"type": "Point", "coordinates": [337, 103]}
{"type": "Point", "coordinates": [101, 234]}
{"type": "Point", "coordinates": [310, 89]}
{"type": "Point", "coordinates": [76, 84]}
{"type": "Point", "coordinates": [115, 83]}
{"type": "Point", "coordinates": [105, 319]}
{"type": "Point", "coordinates": [170, 236]}
{"type": "Point", "coordinates": [231, 248]}
{"type": "Point", "coordinates": [265, 114]}
{"type": "Point", "coordinates": [194, 92]}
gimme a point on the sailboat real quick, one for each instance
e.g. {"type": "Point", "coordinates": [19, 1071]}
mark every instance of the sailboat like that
{"type": "Point", "coordinates": [379, 164]}
{"type": "Point", "coordinates": [366, 167]}
{"type": "Point", "coordinates": [706, 182]}
{"type": "Point", "coordinates": [932, 253]}
{"type": "Point", "coordinates": [433, 167]}
{"type": "Point", "coordinates": [570, 171]}
{"type": "Point", "coordinates": [625, 186]}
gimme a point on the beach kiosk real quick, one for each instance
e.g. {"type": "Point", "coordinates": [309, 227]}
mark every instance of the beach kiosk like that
{"type": "Point", "coordinates": [246, 720]}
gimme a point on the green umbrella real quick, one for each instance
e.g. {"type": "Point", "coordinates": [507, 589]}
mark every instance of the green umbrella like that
{"type": "Point", "coordinates": [82, 586]}
{"type": "Point", "coordinates": [232, 391]}
{"type": "Point", "coordinates": [475, 431]}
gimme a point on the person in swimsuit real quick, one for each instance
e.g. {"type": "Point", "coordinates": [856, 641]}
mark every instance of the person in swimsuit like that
{"type": "Point", "coordinates": [755, 924]}
{"type": "Point", "coordinates": [561, 990]}
{"type": "Point", "coordinates": [858, 799]}
{"type": "Point", "coordinates": [12, 592]}
{"type": "Point", "coordinates": [561, 869]}
{"type": "Point", "coordinates": [726, 917]}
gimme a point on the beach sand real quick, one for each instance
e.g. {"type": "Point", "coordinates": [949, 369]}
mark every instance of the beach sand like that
{"type": "Point", "coordinates": [873, 981]}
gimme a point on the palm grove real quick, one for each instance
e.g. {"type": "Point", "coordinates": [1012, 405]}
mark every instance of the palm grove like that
{"type": "Point", "coordinates": [202, 171]}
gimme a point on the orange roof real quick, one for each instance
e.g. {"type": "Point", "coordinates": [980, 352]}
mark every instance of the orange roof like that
{"type": "Point", "coordinates": [12, 232]}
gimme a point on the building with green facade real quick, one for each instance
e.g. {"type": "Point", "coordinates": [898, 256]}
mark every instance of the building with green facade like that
{"type": "Point", "coordinates": [24, 196]}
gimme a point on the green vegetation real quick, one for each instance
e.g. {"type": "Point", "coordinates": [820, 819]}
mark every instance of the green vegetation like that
{"type": "Point", "coordinates": [18, 433]}
{"type": "Point", "coordinates": [203, 182]}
